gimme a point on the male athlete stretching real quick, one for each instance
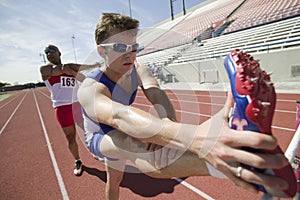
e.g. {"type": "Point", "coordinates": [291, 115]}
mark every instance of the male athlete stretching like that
{"type": "Point", "coordinates": [120, 132]}
{"type": "Point", "coordinates": [61, 80]}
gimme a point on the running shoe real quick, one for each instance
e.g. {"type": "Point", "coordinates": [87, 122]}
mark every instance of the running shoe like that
{"type": "Point", "coordinates": [255, 100]}
{"type": "Point", "coordinates": [78, 168]}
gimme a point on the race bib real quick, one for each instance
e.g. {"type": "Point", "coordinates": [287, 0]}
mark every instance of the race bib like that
{"type": "Point", "coordinates": [67, 82]}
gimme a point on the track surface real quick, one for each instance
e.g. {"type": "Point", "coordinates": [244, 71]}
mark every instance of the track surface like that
{"type": "Point", "coordinates": [36, 164]}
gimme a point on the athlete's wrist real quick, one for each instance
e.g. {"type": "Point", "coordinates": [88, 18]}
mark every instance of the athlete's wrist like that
{"type": "Point", "coordinates": [214, 172]}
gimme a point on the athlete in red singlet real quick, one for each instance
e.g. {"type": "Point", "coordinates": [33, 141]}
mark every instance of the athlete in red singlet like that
{"type": "Point", "coordinates": [62, 82]}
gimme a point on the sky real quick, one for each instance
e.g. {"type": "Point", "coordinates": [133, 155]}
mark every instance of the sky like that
{"type": "Point", "coordinates": [28, 26]}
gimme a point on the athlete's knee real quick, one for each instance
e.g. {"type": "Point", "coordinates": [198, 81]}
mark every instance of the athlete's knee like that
{"type": "Point", "coordinates": [71, 137]}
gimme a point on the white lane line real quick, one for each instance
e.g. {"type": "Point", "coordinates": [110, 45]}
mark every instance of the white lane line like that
{"type": "Point", "coordinates": [178, 111]}
{"type": "Point", "coordinates": [8, 102]}
{"type": "Point", "coordinates": [286, 111]}
{"type": "Point", "coordinates": [197, 102]}
{"type": "Point", "coordinates": [193, 113]}
{"type": "Point", "coordinates": [56, 169]}
{"type": "Point", "coordinates": [194, 189]}
{"type": "Point", "coordinates": [44, 94]}
{"type": "Point", "coordinates": [204, 115]}
{"type": "Point", "coordinates": [282, 128]}
{"type": "Point", "coordinates": [286, 100]}
{"type": "Point", "coordinates": [4, 126]}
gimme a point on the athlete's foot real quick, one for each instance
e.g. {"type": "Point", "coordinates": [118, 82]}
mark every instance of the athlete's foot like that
{"type": "Point", "coordinates": [98, 158]}
{"type": "Point", "coordinates": [253, 81]}
{"type": "Point", "coordinates": [255, 99]}
{"type": "Point", "coordinates": [78, 168]}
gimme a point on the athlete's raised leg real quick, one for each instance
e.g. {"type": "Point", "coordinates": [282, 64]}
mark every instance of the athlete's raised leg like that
{"type": "Point", "coordinates": [121, 146]}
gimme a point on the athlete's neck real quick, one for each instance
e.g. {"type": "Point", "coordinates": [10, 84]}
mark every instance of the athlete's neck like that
{"type": "Point", "coordinates": [116, 76]}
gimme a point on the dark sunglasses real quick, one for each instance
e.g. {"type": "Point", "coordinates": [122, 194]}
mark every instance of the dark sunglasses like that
{"type": "Point", "coordinates": [49, 50]}
{"type": "Point", "coordinates": [122, 48]}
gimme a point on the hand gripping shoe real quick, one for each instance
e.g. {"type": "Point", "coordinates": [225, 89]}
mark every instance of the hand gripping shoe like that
{"type": "Point", "coordinates": [255, 99]}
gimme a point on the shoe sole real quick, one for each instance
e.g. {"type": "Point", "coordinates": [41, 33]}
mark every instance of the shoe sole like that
{"type": "Point", "coordinates": [98, 158]}
{"type": "Point", "coordinates": [78, 172]}
{"type": "Point", "coordinates": [255, 99]}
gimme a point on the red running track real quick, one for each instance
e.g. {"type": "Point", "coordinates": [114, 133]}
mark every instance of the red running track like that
{"type": "Point", "coordinates": [34, 168]}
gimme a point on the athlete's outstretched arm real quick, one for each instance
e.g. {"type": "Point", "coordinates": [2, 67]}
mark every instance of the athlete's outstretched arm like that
{"type": "Point", "coordinates": [81, 67]}
{"type": "Point", "coordinates": [55, 70]}
{"type": "Point", "coordinates": [212, 140]}
{"type": "Point", "coordinates": [155, 94]}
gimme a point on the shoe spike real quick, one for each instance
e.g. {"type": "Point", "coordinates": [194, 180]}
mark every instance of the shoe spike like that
{"type": "Point", "coordinates": [265, 103]}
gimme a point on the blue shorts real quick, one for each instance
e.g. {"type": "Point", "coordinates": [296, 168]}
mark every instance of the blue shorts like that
{"type": "Point", "coordinates": [94, 146]}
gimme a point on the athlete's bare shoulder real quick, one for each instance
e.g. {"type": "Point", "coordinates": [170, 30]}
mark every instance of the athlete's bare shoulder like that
{"type": "Point", "coordinates": [90, 88]}
{"type": "Point", "coordinates": [45, 68]}
{"type": "Point", "coordinates": [88, 82]}
{"type": "Point", "coordinates": [46, 71]}
{"type": "Point", "coordinates": [46, 65]}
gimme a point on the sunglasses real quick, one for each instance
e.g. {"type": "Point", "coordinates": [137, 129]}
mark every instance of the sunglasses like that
{"type": "Point", "coordinates": [49, 50]}
{"type": "Point", "coordinates": [122, 48]}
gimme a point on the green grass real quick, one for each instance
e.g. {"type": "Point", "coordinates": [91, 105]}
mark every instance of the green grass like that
{"type": "Point", "coordinates": [4, 96]}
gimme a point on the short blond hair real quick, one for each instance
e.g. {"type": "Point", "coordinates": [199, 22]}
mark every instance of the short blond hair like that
{"type": "Point", "coordinates": [111, 22]}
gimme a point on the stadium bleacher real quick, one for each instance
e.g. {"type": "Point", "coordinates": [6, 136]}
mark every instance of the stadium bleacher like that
{"type": "Point", "coordinates": [209, 31]}
{"type": "Point", "coordinates": [194, 23]}
{"type": "Point", "coordinates": [257, 12]}
{"type": "Point", "coordinates": [274, 36]}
